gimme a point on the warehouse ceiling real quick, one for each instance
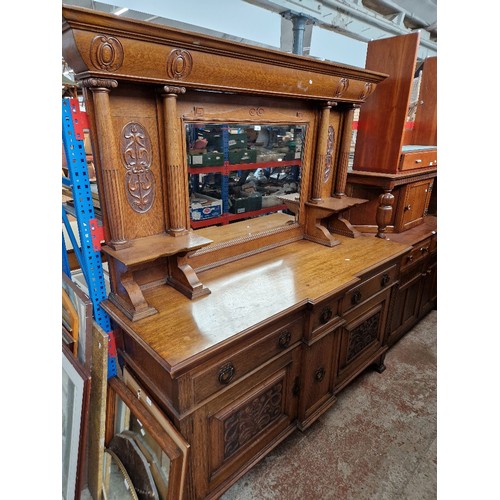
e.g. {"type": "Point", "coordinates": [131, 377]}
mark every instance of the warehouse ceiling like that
{"type": "Point", "coordinates": [362, 20]}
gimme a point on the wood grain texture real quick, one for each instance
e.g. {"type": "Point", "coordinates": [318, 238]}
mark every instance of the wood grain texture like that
{"type": "Point", "coordinates": [384, 114]}
{"type": "Point", "coordinates": [248, 293]}
{"type": "Point", "coordinates": [203, 61]}
{"type": "Point", "coordinates": [425, 127]}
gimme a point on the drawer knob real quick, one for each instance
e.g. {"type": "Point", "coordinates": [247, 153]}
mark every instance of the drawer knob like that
{"type": "Point", "coordinates": [319, 374]}
{"type": "Point", "coordinates": [410, 258]}
{"type": "Point", "coordinates": [226, 373]}
{"type": "Point", "coordinates": [418, 161]}
{"type": "Point", "coordinates": [284, 339]}
{"type": "Point", "coordinates": [326, 315]}
{"type": "Point", "coordinates": [424, 249]}
{"type": "Point", "coordinates": [385, 279]}
{"type": "Point", "coordinates": [407, 208]}
{"type": "Point", "coordinates": [356, 297]}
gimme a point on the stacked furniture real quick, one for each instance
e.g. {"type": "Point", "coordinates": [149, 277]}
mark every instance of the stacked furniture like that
{"type": "Point", "coordinates": [395, 169]}
{"type": "Point", "coordinates": [239, 333]}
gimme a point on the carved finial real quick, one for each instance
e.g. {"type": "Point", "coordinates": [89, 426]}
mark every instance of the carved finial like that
{"type": "Point", "coordinates": [169, 89]}
{"type": "Point", "coordinates": [100, 82]}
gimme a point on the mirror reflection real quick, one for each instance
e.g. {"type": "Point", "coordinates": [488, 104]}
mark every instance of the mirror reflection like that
{"type": "Point", "coordinates": [238, 171]}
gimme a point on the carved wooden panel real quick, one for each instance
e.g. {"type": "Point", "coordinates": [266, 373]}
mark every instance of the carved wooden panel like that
{"type": "Point", "coordinates": [137, 157]}
{"type": "Point", "coordinates": [329, 154]}
{"type": "Point", "coordinates": [363, 335]}
{"type": "Point", "coordinates": [247, 421]}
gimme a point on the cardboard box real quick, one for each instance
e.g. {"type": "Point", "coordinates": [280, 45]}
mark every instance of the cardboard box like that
{"type": "Point", "coordinates": [204, 207]}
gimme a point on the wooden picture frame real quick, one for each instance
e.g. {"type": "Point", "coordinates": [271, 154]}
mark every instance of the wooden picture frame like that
{"type": "Point", "coordinates": [125, 407]}
{"type": "Point", "coordinates": [75, 401]}
{"type": "Point", "coordinates": [82, 306]}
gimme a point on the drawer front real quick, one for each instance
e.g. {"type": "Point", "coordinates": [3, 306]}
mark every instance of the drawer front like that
{"type": "Point", "coordinates": [418, 159]}
{"type": "Point", "coordinates": [361, 293]}
{"type": "Point", "coordinates": [416, 255]}
{"type": "Point", "coordinates": [324, 315]}
{"type": "Point", "coordinates": [230, 368]}
{"type": "Point", "coordinates": [434, 244]}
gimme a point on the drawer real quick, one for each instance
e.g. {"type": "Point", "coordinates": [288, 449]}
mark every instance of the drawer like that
{"type": "Point", "coordinates": [271, 341]}
{"type": "Point", "coordinates": [417, 254]}
{"type": "Point", "coordinates": [324, 315]}
{"type": "Point", "coordinates": [434, 244]}
{"type": "Point", "coordinates": [418, 159]}
{"type": "Point", "coordinates": [369, 287]}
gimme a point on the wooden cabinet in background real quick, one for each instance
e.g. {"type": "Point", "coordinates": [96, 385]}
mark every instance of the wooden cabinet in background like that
{"type": "Point", "coordinates": [395, 158]}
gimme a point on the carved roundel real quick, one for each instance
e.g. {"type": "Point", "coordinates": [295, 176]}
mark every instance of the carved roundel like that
{"type": "Point", "coordinates": [179, 64]}
{"type": "Point", "coordinates": [106, 53]}
{"type": "Point", "coordinates": [137, 158]}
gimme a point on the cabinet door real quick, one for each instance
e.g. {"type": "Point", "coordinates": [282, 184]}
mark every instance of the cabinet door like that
{"type": "Point", "coordinates": [242, 424]}
{"type": "Point", "coordinates": [405, 306]}
{"type": "Point", "coordinates": [429, 287]}
{"type": "Point", "coordinates": [362, 338]}
{"type": "Point", "coordinates": [317, 378]}
{"type": "Point", "coordinates": [413, 204]}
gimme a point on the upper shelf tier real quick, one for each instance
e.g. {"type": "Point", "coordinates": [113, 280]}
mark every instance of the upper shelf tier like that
{"type": "Point", "coordinates": [105, 46]}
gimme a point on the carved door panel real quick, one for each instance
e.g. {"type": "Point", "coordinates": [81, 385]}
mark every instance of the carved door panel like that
{"type": "Point", "coordinates": [362, 338]}
{"type": "Point", "coordinates": [317, 378]}
{"type": "Point", "coordinates": [242, 424]}
{"type": "Point", "coordinates": [405, 305]}
{"type": "Point", "coordinates": [413, 204]}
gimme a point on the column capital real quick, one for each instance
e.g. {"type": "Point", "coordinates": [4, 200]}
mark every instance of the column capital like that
{"type": "Point", "coordinates": [93, 83]}
{"type": "Point", "coordinates": [170, 89]}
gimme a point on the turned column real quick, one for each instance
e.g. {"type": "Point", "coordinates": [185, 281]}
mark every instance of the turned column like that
{"type": "Point", "coordinates": [345, 149]}
{"type": "Point", "coordinates": [384, 212]}
{"type": "Point", "coordinates": [321, 153]}
{"type": "Point", "coordinates": [176, 176]}
{"type": "Point", "coordinates": [109, 159]}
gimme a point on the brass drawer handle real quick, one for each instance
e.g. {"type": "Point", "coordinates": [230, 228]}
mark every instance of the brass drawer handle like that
{"type": "Point", "coordinates": [226, 373]}
{"type": "Point", "coordinates": [284, 339]}
{"type": "Point", "coordinates": [319, 374]}
{"type": "Point", "coordinates": [385, 279]}
{"type": "Point", "coordinates": [356, 297]}
{"type": "Point", "coordinates": [326, 315]}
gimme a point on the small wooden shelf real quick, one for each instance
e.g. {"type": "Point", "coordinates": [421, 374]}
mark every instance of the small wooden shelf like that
{"type": "Point", "coordinates": [150, 248]}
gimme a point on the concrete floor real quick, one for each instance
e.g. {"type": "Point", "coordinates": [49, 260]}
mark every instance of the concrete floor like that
{"type": "Point", "coordinates": [378, 442]}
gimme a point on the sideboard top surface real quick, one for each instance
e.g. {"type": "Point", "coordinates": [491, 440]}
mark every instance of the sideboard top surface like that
{"type": "Point", "coordinates": [247, 293]}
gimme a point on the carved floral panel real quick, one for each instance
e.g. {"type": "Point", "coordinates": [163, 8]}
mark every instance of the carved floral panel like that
{"type": "Point", "coordinates": [247, 421]}
{"type": "Point", "coordinates": [363, 335]}
{"type": "Point", "coordinates": [137, 158]}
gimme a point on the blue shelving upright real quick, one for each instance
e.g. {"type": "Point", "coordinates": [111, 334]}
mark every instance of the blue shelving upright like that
{"type": "Point", "coordinates": [88, 253]}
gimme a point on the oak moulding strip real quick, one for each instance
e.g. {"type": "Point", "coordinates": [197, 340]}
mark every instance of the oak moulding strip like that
{"type": "Point", "coordinates": [86, 19]}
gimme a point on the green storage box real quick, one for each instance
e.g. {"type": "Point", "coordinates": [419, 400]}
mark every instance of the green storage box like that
{"type": "Point", "coordinates": [245, 204]}
{"type": "Point", "coordinates": [243, 156]}
{"type": "Point", "coordinates": [206, 160]}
